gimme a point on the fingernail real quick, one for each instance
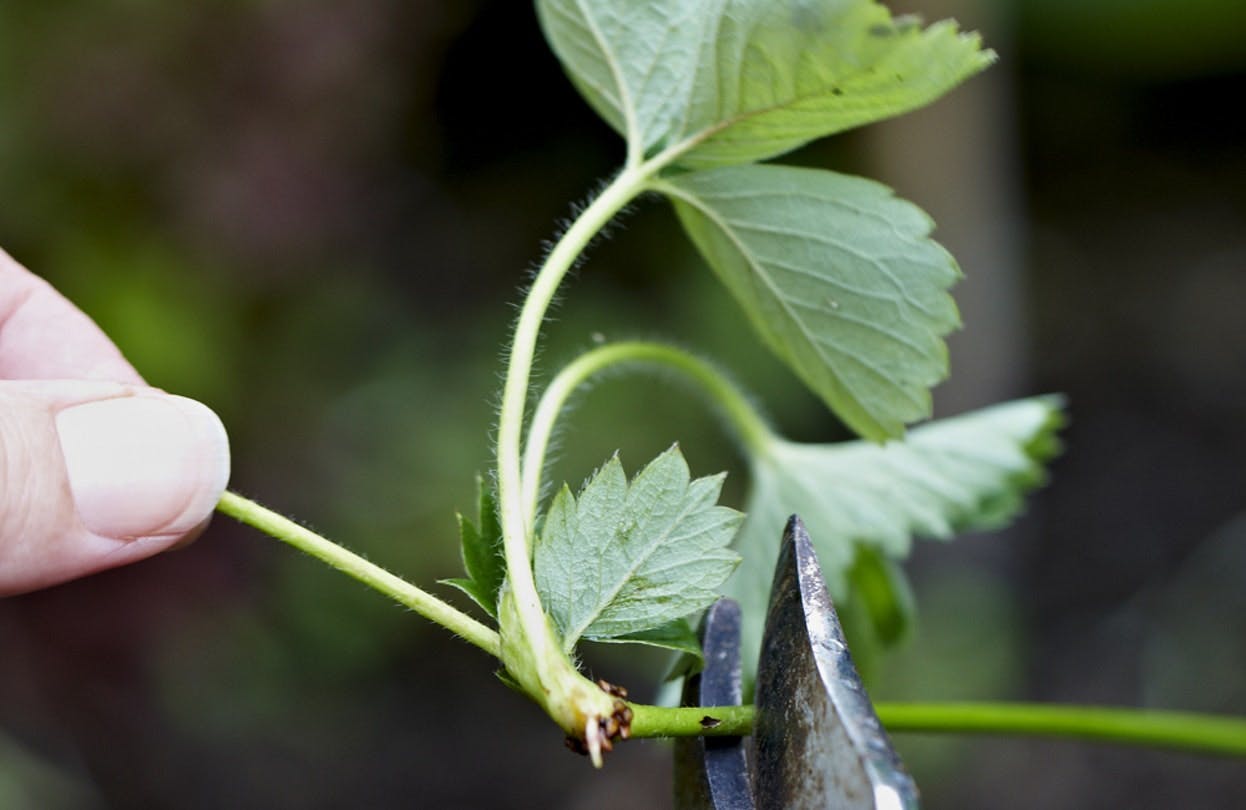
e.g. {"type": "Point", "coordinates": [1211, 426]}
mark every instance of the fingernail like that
{"type": "Point", "coordinates": [144, 466]}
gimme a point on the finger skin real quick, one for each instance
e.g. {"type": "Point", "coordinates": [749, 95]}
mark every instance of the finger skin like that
{"type": "Point", "coordinates": [48, 544]}
{"type": "Point", "coordinates": [52, 358]}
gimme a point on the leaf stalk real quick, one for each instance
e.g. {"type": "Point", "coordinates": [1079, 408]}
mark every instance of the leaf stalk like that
{"type": "Point", "coordinates": [739, 413]}
{"type": "Point", "coordinates": [544, 671]}
{"type": "Point", "coordinates": [422, 602]}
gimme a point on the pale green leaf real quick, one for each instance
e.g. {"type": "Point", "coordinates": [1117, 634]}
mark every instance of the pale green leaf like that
{"type": "Point", "coordinates": [633, 62]}
{"type": "Point", "coordinates": [839, 278]}
{"type": "Point", "coordinates": [965, 473]}
{"type": "Point", "coordinates": [735, 81]}
{"type": "Point", "coordinates": [627, 558]}
{"type": "Point", "coordinates": [677, 636]}
{"type": "Point", "coordinates": [480, 543]}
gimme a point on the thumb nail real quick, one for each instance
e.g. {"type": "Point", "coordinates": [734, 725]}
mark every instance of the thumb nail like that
{"type": "Point", "coordinates": [143, 466]}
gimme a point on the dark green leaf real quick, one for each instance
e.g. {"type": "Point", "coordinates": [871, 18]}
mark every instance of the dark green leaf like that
{"type": "Point", "coordinates": [480, 543]}
{"type": "Point", "coordinates": [879, 589]}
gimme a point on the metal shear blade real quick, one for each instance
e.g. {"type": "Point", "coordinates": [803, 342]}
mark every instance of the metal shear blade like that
{"type": "Point", "coordinates": [712, 772]}
{"type": "Point", "coordinates": [817, 741]}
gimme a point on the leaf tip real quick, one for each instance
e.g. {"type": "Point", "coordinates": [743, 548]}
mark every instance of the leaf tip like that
{"type": "Point", "coordinates": [1045, 443]}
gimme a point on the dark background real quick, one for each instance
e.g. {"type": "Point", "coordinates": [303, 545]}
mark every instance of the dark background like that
{"type": "Point", "coordinates": [316, 217]}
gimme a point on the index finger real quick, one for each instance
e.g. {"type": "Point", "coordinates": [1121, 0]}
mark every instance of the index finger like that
{"type": "Point", "coordinates": [43, 336]}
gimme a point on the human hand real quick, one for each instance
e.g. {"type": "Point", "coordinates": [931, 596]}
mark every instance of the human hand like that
{"type": "Point", "coordinates": [97, 469]}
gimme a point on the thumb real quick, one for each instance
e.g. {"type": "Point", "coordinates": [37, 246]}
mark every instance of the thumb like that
{"type": "Point", "coordinates": [95, 475]}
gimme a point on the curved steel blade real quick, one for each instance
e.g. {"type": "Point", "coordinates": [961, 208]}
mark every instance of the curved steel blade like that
{"type": "Point", "coordinates": [711, 773]}
{"type": "Point", "coordinates": [817, 741]}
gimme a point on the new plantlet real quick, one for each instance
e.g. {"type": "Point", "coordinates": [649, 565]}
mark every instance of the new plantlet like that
{"type": "Point", "coordinates": [834, 274]}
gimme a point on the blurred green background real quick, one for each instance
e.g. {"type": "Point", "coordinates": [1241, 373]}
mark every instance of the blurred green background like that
{"type": "Point", "coordinates": [317, 216]}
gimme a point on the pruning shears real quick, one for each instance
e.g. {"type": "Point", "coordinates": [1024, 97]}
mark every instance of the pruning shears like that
{"type": "Point", "coordinates": [816, 741]}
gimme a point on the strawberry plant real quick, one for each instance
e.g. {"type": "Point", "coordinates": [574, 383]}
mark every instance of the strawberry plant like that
{"type": "Point", "coordinates": [839, 278]}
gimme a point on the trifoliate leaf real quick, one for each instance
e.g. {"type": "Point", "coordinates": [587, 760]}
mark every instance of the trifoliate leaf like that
{"type": "Point", "coordinates": [736, 81]}
{"type": "Point", "coordinates": [627, 558]}
{"type": "Point", "coordinates": [967, 472]}
{"type": "Point", "coordinates": [481, 547]}
{"type": "Point", "coordinates": [839, 278]}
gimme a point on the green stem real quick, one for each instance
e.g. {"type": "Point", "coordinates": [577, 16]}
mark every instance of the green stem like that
{"type": "Point", "coordinates": [691, 721]}
{"type": "Point", "coordinates": [1145, 727]}
{"type": "Point", "coordinates": [401, 591]}
{"type": "Point", "coordinates": [1209, 734]}
{"type": "Point", "coordinates": [740, 414]}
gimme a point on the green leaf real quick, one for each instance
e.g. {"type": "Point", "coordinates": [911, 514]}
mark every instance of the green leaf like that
{"type": "Point", "coordinates": [965, 473]}
{"type": "Point", "coordinates": [627, 558]}
{"type": "Point", "coordinates": [735, 81]}
{"type": "Point", "coordinates": [879, 611]}
{"type": "Point", "coordinates": [633, 62]}
{"type": "Point", "coordinates": [481, 546]}
{"type": "Point", "coordinates": [677, 635]}
{"type": "Point", "coordinates": [877, 584]}
{"type": "Point", "coordinates": [839, 278]}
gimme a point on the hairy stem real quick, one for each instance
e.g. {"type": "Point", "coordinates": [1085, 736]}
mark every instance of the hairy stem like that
{"type": "Point", "coordinates": [370, 574]}
{"type": "Point", "coordinates": [544, 670]}
{"type": "Point", "coordinates": [1208, 734]}
{"type": "Point", "coordinates": [739, 413]}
